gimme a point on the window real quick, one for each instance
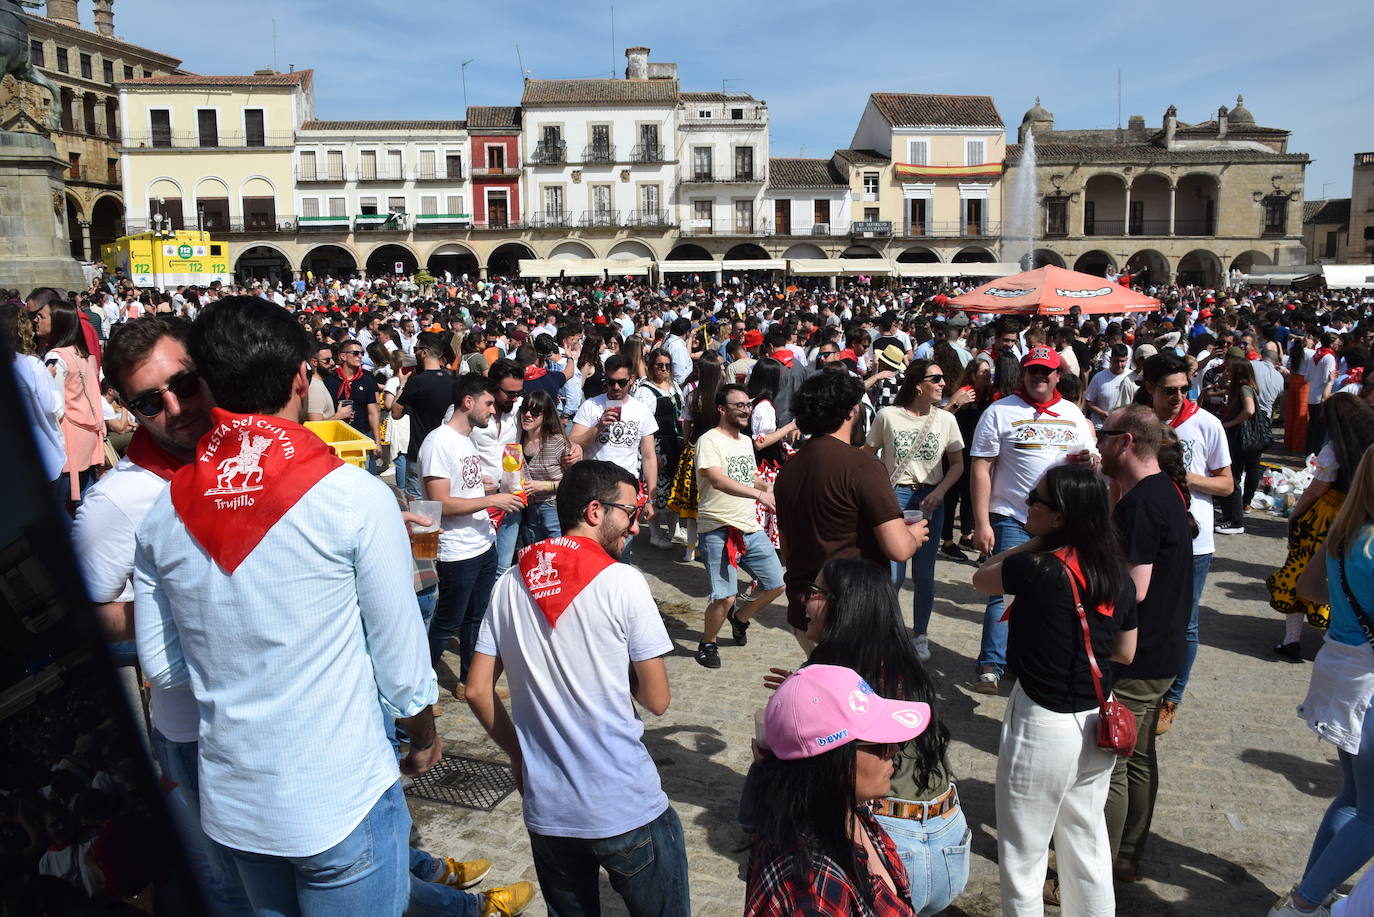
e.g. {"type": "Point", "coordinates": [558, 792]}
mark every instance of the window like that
{"type": "Point", "coordinates": [602, 215]}
{"type": "Point", "coordinates": [429, 203]}
{"type": "Point", "coordinates": [395, 165]}
{"type": "Point", "coordinates": [107, 71]}
{"type": "Point", "coordinates": [128, 72]}
{"type": "Point", "coordinates": [649, 150]}
{"type": "Point", "coordinates": [112, 118]}
{"type": "Point", "coordinates": [308, 172]}
{"type": "Point", "coordinates": [1332, 240]}
{"type": "Point", "coordinates": [87, 71]}
{"type": "Point", "coordinates": [396, 204]}
{"type": "Point", "coordinates": [917, 216]}
{"type": "Point", "coordinates": [553, 202]}
{"type": "Point", "coordinates": [973, 216]}
{"type": "Point", "coordinates": [367, 165]}
{"type": "Point", "coordinates": [62, 59]}
{"type": "Point", "coordinates": [334, 163]}
{"type": "Point", "coordinates": [112, 171]}
{"type": "Point", "coordinates": [601, 143]}
{"type": "Point", "coordinates": [160, 120]}
{"type": "Point", "coordinates": [260, 214]}
{"type": "Point", "coordinates": [254, 127]}
{"type": "Point", "coordinates": [736, 114]}
{"type": "Point", "coordinates": [454, 204]}
{"type": "Point", "coordinates": [496, 157]}
{"type": "Point", "coordinates": [207, 120]}
{"type": "Point", "coordinates": [870, 214]}
{"type": "Point", "coordinates": [1135, 224]}
{"type": "Point", "coordinates": [744, 216]}
{"type": "Point", "coordinates": [453, 165]}
{"type": "Point", "coordinates": [367, 205]}
{"type": "Point", "coordinates": [427, 170]}
{"type": "Point", "coordinates": [744, 163]}
{"type": "Point", "coordinates": [147, 74]}
{"type": "Point", "coordinates": [820, 212]}
{"type": "Point", "coordinates": [870, 186]}
{"type": "Point", "coordinates": [782, 217]}
{"type": "Point", "coordinates": [703, 112]}
{"type": "Point", "coordinates": [552, 133]}
{"type": "Point", "coordinates": [701, 217]}
{"type": "Point", "coordinates": [1089, 218]}
{"type": "Point", "coordinates": [1275, 216]}
{"type": "Point", "coordinates": [74, 161]}
{"type": "Point", "coordinates": [918, 153]}
{"type": "Point", "coordinates": [701, 163]}
{"type": "Point", "coordinates": [36, 56]}
{"type": "Point", "coordinates": [973, 152]}
{"type": "Point", "coordinates": [1056, 216]}
{"type": "Point", "coordinates": [649, 201]}
{"type": "Point", "coordinates": [212, 214]}
{"type": "Point", "coordinates": [310, 207]}
{"type": "Point", "coordinates": [338, 207]}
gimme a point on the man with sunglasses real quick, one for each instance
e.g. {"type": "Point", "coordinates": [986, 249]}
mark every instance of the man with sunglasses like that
{"type": "Point", "coordinates": [1207, 459]}
{"type": "Point", "coordinates": [350, 384]}
{"type": "Point", "coordinates": [591, 792]}
{"type": "Point", "coordinates": [319, 404]}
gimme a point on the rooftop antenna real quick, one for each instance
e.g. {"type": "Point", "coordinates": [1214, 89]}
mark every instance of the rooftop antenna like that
{"type": "Point", "coordinates": [1118, 98]}
{"type": "Point", "coordinates": [520, 58]}
{"type": "Point", "coordinates": [612, 41]}
{"type": "Point", "coordinates": [463, 70]}
{"type": "Point", "coordinates": [733, 79]}
{"type": "Point", "coordinates": [274, 46]}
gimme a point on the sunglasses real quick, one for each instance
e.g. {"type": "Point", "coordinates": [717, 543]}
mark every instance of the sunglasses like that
{"type": "Point", "coordinates": [183, 385]}
{"type": "Point", "coordinates": [878, 749]}
{"type": "Point", "coordinates": [1033, 498]}
{"type": "Point", "coordinates": [351, 353]}
{"type": "Point", "coordinates": [532, 412]}
{"type": "Point", "coordinates": [617, 383]}
{"type": "Point", "coordinates": [1172, 390]}
{"type": "Point", "coordinates": [663, 366]}
{"type": "Point", "coordinates": [935, 378]}
{"type": "Point", "coordinates": [631, 511]}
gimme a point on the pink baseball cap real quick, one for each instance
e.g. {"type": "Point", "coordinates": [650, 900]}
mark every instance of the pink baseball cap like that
{"type": "Point", "coordinates": [821, 707]}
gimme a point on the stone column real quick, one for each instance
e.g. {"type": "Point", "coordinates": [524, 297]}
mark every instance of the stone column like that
{"type": "Point", "coordinates": [86, 241]}
{"type": "Point", "coordinates": [1173, 193]}
{"type": "Point", "coordinates": [1126, 214]}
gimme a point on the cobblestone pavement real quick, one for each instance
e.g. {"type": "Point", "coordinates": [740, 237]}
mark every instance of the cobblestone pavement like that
{"type": "Point", "coordinates": [1244, 782]}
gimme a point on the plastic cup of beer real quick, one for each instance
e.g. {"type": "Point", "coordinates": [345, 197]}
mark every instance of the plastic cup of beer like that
{"type": "Point", "coordinates": [424, 539]}
{"type": "Point", "coordinates": [912, 516]}
{"type": "Point", "coordinates": [613, 408]}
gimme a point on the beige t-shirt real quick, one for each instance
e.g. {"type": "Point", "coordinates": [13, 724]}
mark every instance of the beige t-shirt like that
{"type": "Point", "coordinates": [319, 401]}
{"type": "Point", "coordinates": [911, 447]}
{"type": "Point", "coordinates": [735, 457]}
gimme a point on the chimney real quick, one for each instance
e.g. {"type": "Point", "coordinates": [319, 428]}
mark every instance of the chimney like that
{"type": "Point", "coordinates": [104, 17]}
{"type": "Point", "coordinates": [1170, 125]}
{"type": "Point", "coordinates": [1136, 126]}
{"type": "Point", "coordinates": [636, 63]}
{"type": "Point", "coordinates": [1221, 123]}
{"type": "Point", "coordinates": [63, 11]}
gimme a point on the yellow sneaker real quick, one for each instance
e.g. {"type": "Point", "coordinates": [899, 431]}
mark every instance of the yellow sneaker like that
{"type": "Point", "coordinates": [462, 875]}
{"type": "Point", "coordinates": [508, 901]}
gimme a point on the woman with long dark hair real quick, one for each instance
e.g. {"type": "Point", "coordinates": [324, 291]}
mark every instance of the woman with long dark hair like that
{"type": "Point", "coordinates": [1242, 409]}
{"type": "Point", "coordinates": [763, 385]}
{"type": "Point", "coordinates": [699, 409]}
{"type": "Point", "coordinates": [968, 398]}
{"type": "Point", "coordinates": [544, 445]}
{"type": "Point", "coordinates": [1006, 375]}
{"type": "Point", "coordinates": [83, 420]}
{"type": "Point", "coordinates": [1052, 778]}
{"type": "Point", "coordinates": [660, 394]}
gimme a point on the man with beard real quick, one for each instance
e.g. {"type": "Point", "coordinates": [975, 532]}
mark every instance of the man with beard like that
{"type": "Point", "coordinates": [147, 363]}
{"type": "Point", "coordinates": [578, 635]}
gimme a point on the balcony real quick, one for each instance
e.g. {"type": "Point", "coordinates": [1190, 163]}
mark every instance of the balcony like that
{"type": "Point", "coordinates": [339, 223]}
{"type": "Point", "coordinates": [217, 225]}
{"type": "Point", "coordinates": [550, 153]}
{"type": "Point", "coordinates": [725, 227]}
{"type": "Point", "coordinates": [598, 154]}
{"type": "Point", "coordinates": [364, 175]}
{"type": "Point", "coordinates": [647, 152]}
{"type": "Point", "coordinates": [307, 175]}
{"type": "Point", "coordinates": [549, 219]}
{"type": "Point", "coordinates": [191, 140]}
{"type": "Point", "coordinates": [599, 219]}
{"type": "Point", "coordinates": [496, 172]}
{"type": "Point", "coordinates": [659, 218]}
{"type": "Point", "coordinates": [1157, 228]}
{"type": "Point", "coordinates": [1364, 159]}
{"type": "Point", "coordinates": [727, 177]}
{"type": "Point", "coordinates": [950, 229]}
{"type": "Point", "coordinates": [424, 221]}
{"type": "Point", "coordinates": [498, 225]}
{"type": "Point", "coordinates": [381, 222]}
{"type": "Point", "coordinates": [430, 173]}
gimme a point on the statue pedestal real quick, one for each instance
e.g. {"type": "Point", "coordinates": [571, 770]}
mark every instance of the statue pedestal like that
{"type": "Point", "coordinates": [34, 248]}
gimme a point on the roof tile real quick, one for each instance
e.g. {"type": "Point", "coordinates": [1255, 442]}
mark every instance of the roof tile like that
{"type": "Point", "coordinates": [383, 125]}
{"type": "Point", "coordinates": [804, 173]}
{"type": "Point", "coordinates": [600, 92]}
{"type": "Point", "coordinates": [909, 109]}
{"type": "Point", "coordinates": [493, 116]}
{"type": "Point", "coordinates": [1070, 153]}
{"type": "Point", "coordinates": [295, 78]}
{"type": "Point", "coordinates": [1334, 210]}
{"type": "Point", "coordinates": [717, 97]}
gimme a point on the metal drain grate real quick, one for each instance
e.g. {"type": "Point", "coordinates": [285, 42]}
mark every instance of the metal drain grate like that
{"type": "Point", "coordinates": [467, 782]}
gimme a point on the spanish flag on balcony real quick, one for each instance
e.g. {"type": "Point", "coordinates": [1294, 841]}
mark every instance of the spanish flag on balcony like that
{"type": "Point", "coordinates": [984, 169]}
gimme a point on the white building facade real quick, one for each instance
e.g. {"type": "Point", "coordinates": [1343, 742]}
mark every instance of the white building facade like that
{"type": "Point", "coordinates": [722, 159]}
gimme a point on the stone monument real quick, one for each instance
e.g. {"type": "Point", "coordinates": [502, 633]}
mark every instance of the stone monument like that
{"type": "Point", "coordinates": [34, 248]}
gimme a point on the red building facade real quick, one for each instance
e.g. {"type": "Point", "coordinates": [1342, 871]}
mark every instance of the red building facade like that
{"type": "Point", "coordinates": [494, 133]}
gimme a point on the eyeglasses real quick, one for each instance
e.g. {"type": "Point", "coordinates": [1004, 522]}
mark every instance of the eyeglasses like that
{"type": "Point", "coordinates": [663, 366]}
{"type": "Point", "coordinates": [183, 385]}
{"type": "Point", "coordinates": [351, 353]}
{"type": "Point", "coordinates": [1172, 390]}
{"type": "Point", "coordinates": [617, 383]}
{"type": "Point", "coordinates": [938, 377]}
{"type": "Point", "coordinates": [814, 591]}
{"type": "Point", "coordinates": [738, 405]}
{"type": "Point", "coordinates": [631, 511]}
{"type": "Point", "coordinates": [1033, 498]}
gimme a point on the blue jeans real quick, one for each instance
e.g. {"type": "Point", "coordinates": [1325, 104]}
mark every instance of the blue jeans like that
{"type": "Point", "coordinates": [936, 856]}
{"type": "Point", "coordinates": [365, 873]}
{"type": "Point", "coordinates": [923, 561]}
{"type": "Point", "coordinates": [647, 867]}
{"type": "Point", "coordinates": [1202, 563]}
{"type": "Point", "coordinates": [759, 560]}
{"type": "Point", "coordinates": [992, 651]}
{"type": "Point", "coordinates": [540, 522]}
{"type": "Point", "coordinates": [506, 537]}
{"type": "Point", "coordinates": [464, 591]}
{"type": "Point", "coordinates": [430, 899]}
{"type": "Point", "coordinates": [1345, 838]}
{"type": "Point", "coordinates": [214, 869]}
{"type": "Point", "coordinates": [408, 477]}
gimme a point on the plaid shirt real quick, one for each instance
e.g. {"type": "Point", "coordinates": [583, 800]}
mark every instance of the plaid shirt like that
{"type": "Point", "coordinates": [773, 890]}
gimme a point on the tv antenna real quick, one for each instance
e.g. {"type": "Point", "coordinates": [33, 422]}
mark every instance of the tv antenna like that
{"type": "Point", "coordinates": [735, 79]}
{"type": "Point", "coordinates": [463, 69]}
{"type": "Point", "coordinates": [521, 59]}
{"type": "Point", "coordinates": [612, 41]}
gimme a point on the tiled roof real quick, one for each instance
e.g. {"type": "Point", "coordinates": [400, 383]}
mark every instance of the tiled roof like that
{"type": "Point", "coordinates": [383, 125]}
{"type": "Point", "coordinates": [804, 173]}
{"type": "Point", "coordinates": [909, 109]}
{"type": "Point", "coordinates": [600, 92]}
{"type": "Point", "coordinates": [1209, 128]}
{"type": "Point", "coordinates": [489, 116]}
{"type": "Point", "coordinates": [95, 38]}
{"type": "Point", "coordinates": [717, 97]}
{"type": "Point", "coordinates": [1334, 210]}
{"type": "Point", "coordinates": [296, 78]}
{"type": "Point", "coordinates": [863, 157]}
{"type": "Point", "coordinates": [1071, 153]}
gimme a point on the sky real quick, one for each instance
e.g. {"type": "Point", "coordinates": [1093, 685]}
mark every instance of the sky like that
{"type": "Point", "coordinates": [1303, 67]}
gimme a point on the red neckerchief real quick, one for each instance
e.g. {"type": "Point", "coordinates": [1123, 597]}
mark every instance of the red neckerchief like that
{"type": "Point", "coordinates": [735, 547]}
{"type": "Point", "coordinates": [556, 570]}
{"type": "Point", "coordinates": [1323, 352]}
{"type": "Point", "coordinates": [147, 454]}
{"type": "Point", "coordinates": [249, 471]}
{"type": "Point", "coordinates": [535, 372]}
{"type": "Point", "coordinates": [1355, 376]}
{"type": "Point", "coordinates": [1188, 410]}
{"type": "Point", "coordinates": [1041, 407]}
{"type": "Point", "coordinates": [1069, 558]}
{"type": "Point", "coordinates": [346, 386]}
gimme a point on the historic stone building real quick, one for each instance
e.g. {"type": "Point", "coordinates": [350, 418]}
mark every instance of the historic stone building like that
{"type": "Point", "coordinates": [1359, 242]}
{"type": "Point", "coordinates": [85, 65]}
{"type": "Point", "coordinates": [1191, 202]}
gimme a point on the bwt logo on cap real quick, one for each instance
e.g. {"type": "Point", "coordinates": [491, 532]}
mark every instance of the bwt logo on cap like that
{"type": "Point", "coordinates": [831, 739]}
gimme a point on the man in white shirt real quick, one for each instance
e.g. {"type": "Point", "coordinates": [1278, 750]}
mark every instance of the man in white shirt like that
{"type": "Point", "coordinates": [1207, 459]}
{"type": "Point", "coordinates": [676, 345]}
{"type": "Point", "coordinates": [276, 580]}
{"type": "Point", "coordinates": [1319, 369]}
{"type": "Point", "coordinates": [1017, 439]}
{"type": "Point", "coordinates": [1110, 388]}
{"type": "Point", "coordinates": [505, 381]}
{"type": "Point", "coordinates": [451, 469]}
{"type": "Point", "coordinates": [578, 635]}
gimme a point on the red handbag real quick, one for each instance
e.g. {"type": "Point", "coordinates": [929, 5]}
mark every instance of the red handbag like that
{"type": "Point", "coordinates": [1116, 731]}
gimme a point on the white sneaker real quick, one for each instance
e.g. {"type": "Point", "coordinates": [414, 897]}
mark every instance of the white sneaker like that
{"type": "Point", "coordinates": [1286, 908]}
{"type": "Point", "coordinates": [680, 536]}
{"type": "Point", "coordinates": [689, 554]}
{"type": "Point", "coordinates": [658, 539]}
{"type": "Point", "coordinates": [922, 644]}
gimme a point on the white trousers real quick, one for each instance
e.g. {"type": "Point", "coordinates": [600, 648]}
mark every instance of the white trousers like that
{"type": "Point", "coordinates": [1052, 781]}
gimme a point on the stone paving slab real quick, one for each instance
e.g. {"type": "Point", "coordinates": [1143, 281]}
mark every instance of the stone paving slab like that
{"type": "Point", "coordinates": [1244, 782]}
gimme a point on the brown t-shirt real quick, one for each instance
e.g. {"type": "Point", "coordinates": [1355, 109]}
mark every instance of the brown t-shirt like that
{"type": "Point", "coordinates": [831, 496]}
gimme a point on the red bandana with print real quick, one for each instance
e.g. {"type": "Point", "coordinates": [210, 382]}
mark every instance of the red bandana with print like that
{"type": "Point", "coordinates": [1041, 407]}
{"type": "Point", "coordinates": [249, 471]}
{"type": "Point", "coordinates": [556, 570]}
{"type": "Point", "coordinates": [148, 455]}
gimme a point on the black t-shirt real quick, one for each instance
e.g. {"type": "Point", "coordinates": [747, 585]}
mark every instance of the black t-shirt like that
{"type": "Point", "coordinates": [1083, 354]}
{"type": "Point", "coordinates": [427, 397]}
{"type": "Point", "coordinates": [363, 391]}
{"type": "Point", "coordinates": [1045, 640]}
{"type": "Point", "coordinates": [1153, 524]}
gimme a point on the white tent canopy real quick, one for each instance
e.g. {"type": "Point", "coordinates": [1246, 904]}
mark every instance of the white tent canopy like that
{"type": "Point", "coordinates": [1280, 276]}
{"type": "Point", "coordinates": [762, 264]}
{"type": "Point", "coordinates": [1349, 276]}
{"type": "Point", "coordinates": [959, 269]}
{"type": "Point", "coordinates": [567, 267]}
{"type": "Point", "coordinates": [690, 267]}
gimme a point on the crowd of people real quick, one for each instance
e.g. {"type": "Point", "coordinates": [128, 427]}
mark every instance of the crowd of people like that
{"type": "Point", "coordinates": [823, 442]}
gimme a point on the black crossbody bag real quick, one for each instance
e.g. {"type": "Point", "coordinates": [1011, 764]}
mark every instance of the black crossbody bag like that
{"type": "Point", "coordinates": [1365, 624]}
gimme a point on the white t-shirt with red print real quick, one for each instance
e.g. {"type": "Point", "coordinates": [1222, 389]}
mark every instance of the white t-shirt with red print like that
{"type": "Point", "coordinates": [446, 453]}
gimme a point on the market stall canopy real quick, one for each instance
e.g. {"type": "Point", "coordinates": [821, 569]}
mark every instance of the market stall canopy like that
{"type": "Point", "coordinates": [761, 264]}
{"type": "Point", "coordinates": [1053, 291]}
{"type": "Point", "coordinates": [1349, 276]}
{"type": "Point", "coordinates": [1275, 276]}
{"type": "Point", "coordinates": [961, 269]}
{"type": "Point", "coordinates": [565, 267]}
{"type": "Point", "coordinates": [624, 267]}
{"type": "Point", "coordinates": [690, 267]}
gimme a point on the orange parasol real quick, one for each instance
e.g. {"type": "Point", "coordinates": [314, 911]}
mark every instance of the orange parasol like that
{"type": "Point", "coordinates": [1053, 291]}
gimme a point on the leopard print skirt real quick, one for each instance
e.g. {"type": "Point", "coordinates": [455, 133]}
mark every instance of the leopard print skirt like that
{"type": "Point", "coordinates": [1308, 535]}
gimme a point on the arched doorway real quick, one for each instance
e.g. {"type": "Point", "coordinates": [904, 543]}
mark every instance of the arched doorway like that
{"type": "Point", "coordinates": [805, 251]}
{"type": "Point", "coordinates": [74, 215]}
{"type": "Point", "coordinates": [107, 222]}
{"type": "Point", "coordinates": [689, 252]}
{"type": "Point", "coordinates": [454, 259]}
{"type": "Point", "coordinates": [330, 261]}
{"type": "Point", "coordinates": [1104, 206]}
{"type": "Point", "coordinates": [505, 260]}
{"type": "Point", "coordinates": [860, 251]}
{"type": "Point", "coordinates": [1149, 214]}
{"type": "Point", "coordinates": [212, 205]}
{"type": "Point", "coordinates": [1246, 262]}
{"type": "Point", "coordinates": [973, 255]}
{"type": "Point", "coordinates": [1095, 262]}
{"type": "Point", "coordinates": [384, 258]}
{"type": "Point", "coordinates": [1043, 257]}
{"type": "Point", "coordinates": [1148, 266]}
{"type": "Point", "coordinates": [918, 255]}
{"type": "Point", "coordinates": [747, 251]}
{"type": "Point", "coordinates": [1195, 205]}
{"type": "Point", "coordinates": [571, 248]}
{"type": "Point", "coordinates": [164, 198]}
{"type": "Point", "coordinates": [1199, 266]}
{"type": "Point", "coordinates": [262, 262]}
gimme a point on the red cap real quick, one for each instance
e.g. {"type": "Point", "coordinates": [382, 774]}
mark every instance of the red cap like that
{"type": "Point", "coordinates": [752, 338]}
{"type": "Point", "coordinates": [1205, 314]}
{"type": "Point", "coordinates": [1042, 356]}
